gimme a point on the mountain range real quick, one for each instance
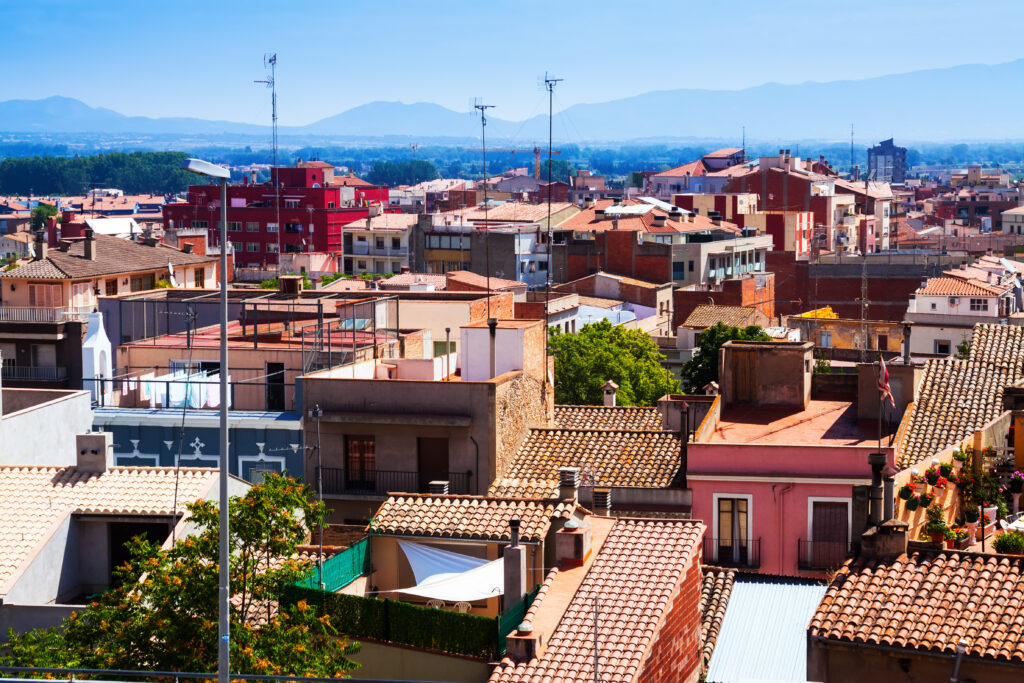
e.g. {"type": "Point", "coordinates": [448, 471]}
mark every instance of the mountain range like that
{"type": "Point", "coordinates": [975, 101]}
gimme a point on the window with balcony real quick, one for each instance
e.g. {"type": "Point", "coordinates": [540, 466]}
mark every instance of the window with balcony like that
{"type": "Point", "coordinates": [828, 542]}
{"type": "Point", "coordinates": [45, 296]}
{"type": "Point", "coordinates": [379, 243]}
{"type": "Point", "coordinates": [396, 243]}
{"type": "Point", "coordinates": [732, 522]}
{"type": "Point", "coordinates": [360, 462]}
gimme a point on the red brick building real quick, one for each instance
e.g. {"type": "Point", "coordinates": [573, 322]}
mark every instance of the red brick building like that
{"type": "Point", "coordinates": [752, 290]}
{"type": "Point", "coordinates": [301, 215]}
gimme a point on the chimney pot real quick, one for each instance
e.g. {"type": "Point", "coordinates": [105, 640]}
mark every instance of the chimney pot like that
{"type": "Point", "coordinates": [609, 389]}
{"type": "Point", "coordinates": [602, 501]}
{"type": "Point", "coordinates": [568, 482]}
{"type": "Point", "coordinates": [95, 452]}
{"type": "Point", "coordinates": [438, 488]}
{"type": "Point", "coordinates": [187, 247]}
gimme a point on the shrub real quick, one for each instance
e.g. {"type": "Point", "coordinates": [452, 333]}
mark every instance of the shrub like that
{"type": "Point", "coordinates": [1009, 542]}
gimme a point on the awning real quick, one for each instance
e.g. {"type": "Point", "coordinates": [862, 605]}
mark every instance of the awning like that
{"type": "Point", "coordinates": [452, 577]}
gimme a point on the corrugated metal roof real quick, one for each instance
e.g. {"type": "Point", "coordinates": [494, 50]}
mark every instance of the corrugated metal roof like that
{"type": "Point", "coordinates": [764, 633]}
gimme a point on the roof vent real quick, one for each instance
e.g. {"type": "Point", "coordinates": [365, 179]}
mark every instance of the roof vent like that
{"type": "Point", "coordinates": [437, 488]}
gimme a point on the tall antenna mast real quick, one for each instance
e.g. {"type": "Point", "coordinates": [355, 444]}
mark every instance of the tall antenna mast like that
{"type": "Point", "coordinates": [851, 153]}
{"type": "Point", "coordinates": [549, 83]}
{"type": "Point", "coordinates": [482, 108]}
{"type": "Point", "coordinates": [270, 60]}
{"type": "Point", "coordinates": [744, 143]}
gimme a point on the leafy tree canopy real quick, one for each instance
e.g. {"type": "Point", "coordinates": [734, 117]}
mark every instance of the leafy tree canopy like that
{"type": "Point", "coordinates": [40, 214]}
{"type": "Point", "coordinates": [393, 173]}
{"type": "Point", "coordinates": [599, 352]}
{"type": "Point", "coordinates": [135, 173]}
{"type": "Point", "coordinates": [703, 367]}
{"type": "Point", "coordinates": [161, 613]}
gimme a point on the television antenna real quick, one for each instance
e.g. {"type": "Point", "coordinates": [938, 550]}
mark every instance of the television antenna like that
{"type": "Point", "coordinates": [270, 62]}
{"type": "Point", "coordinates": [549, 84]}
{"type": "Point", "coordinates": [479, 105]}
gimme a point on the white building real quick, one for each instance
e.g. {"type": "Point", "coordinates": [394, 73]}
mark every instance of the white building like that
{"type": "Point", "coordinates": [944, 310]}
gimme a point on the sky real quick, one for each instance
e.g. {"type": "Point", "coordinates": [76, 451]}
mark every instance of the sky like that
{"type": "Point", "coordinates": [190, 58]}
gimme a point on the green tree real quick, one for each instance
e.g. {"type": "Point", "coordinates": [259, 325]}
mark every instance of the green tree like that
{"type": "Point", "coordinates": [40, 214]}
{"type": "Point", "coordinates": [703, 367]}
{"type": "Point", "coordinates": [161, 613]}
{"type": "Point", "coordinates": [599, 352]}
{"type": "Point", "coordinates": [963, 350]}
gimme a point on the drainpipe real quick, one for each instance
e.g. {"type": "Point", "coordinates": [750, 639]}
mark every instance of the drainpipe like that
{"type": "Point", "coordinates": [447, 352]}
{"type": "Point", "coordinates": [477, 447]}
{"type": "Point", "coordinates": [961, 650]}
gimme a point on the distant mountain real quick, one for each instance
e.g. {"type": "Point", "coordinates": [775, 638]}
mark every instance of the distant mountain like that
{"type": "Point", "coordinates": [963, 102]}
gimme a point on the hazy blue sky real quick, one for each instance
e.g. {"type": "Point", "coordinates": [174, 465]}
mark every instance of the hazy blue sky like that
{"type": "Point", "coordinates": [191, 58]}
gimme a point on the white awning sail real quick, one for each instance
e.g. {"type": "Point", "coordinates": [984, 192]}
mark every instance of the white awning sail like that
{"type": "Point", "coordinates": [452, 577]}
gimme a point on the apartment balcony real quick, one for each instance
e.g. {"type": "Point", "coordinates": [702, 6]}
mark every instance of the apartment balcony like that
{"type": "Point", "coordinates": [822, 555]}
{"type": "Point", "coordinates": [28, 373]}
{"type": "Point", "coordinates": [35, 314]}
{"type": "Point", "coordinates": [377, 483]}
{"type": "Point", "coordinates": [732, 553]}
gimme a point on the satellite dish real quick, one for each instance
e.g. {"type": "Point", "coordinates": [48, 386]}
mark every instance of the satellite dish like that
{"type": "Point", "coordinates": [316, 184]}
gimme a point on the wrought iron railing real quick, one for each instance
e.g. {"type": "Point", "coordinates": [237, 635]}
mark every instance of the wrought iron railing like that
{"type": "Point", "coordinates": [338, 480]}
{"type": "Point", "coordinates": [36, 314]}
{"type": "Point", "coordinates": [27, 373]}
{"type": "Point", "coordinates": [821, 555]}
{"type": "Point", "coordinates": [732, 552]}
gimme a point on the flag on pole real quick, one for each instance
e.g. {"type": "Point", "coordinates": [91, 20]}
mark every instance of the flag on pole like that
{"type": "Point", "coordinates": [885, 392]}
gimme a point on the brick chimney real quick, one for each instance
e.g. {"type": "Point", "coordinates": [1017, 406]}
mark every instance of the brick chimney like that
{"type": "Point", "coordinates": [40, 246]}
{"type": "Point", "coordinates": [609, 388]}
{"type": "Point", "coordinates": [90, 245]}
{"type": "Point", "coordinates": [514, 564]}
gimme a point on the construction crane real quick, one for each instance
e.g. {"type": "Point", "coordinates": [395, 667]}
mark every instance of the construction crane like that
{"type": "Point", "coordinates": [536, 156]}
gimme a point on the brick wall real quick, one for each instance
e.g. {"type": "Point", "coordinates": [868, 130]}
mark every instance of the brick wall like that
{"type": "Point", "coordinates": [675, 654]}
{"type": "Point", "coordinates": [502, 307]}
{"type": "Point", "coordinates": [518, 407]}
{"type": "Point", "coordinates": [617, 251]}
{"type": "Point", "coordinates": [737, 292]}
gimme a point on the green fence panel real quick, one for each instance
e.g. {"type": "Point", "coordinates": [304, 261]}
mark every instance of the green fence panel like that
{"type": "Point", "coordinates": [514, 616]}
{"type": "Point", "coordinates": [342, 569]}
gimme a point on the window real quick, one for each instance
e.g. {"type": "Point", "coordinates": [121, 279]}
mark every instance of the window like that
{"type": "Point", "coordinates": [252, 247]}
{"type": "Point", "coordinates": [293, 228]}
{"type": "Point", "coordinates": [45, 296]}
{"type": "Point", "coordinates": [292, 203]}
{"type": "Point", "coordinates": [380, 243]}
{"type": "Point", "coordinates": [361, 265]}
{"type": "Point", "coordinates": [396, 243]}
{"type": "Point", "coordinates": [200, 277]}
{"type": "Point", "coordinates": [678, 272]}
{"type": "Point", "coordinates": [81, 294]}
{"type": "Point", "coordinates": [828, 533]}
{"type": "Point", "coordinates": [250, 226]}
{"type": "Point", "coordinates": [44, 356]}
{"type": "Point", "coordinates": [732, 526]}
{"type": "Point", "coordinates": [200, 224]}
{"type": "Point", "coordinates": [942, 347]}
{"type": "Point", "coordinates": [933, 305]}
{"type": "Point", "coordinates": [825, 339]}
{"type": "Point", "coordinates": [272, 248]}
{"type": "Point", "coordinates": [330, 205]}
{"type": "Point", "coordinates": [979, 304]}
{"type": "Point", "coordinates": [141, 283]}
{"type": "Point", "coordinates": [360, 462]}
{"type": "Point", "coordinates": [271, 227]}
{"type": "Point", "coordinates": [111, 287]}
{"type": "Point", "coordinates": [236, 247]}
{"type": "Point", "coordinates": [689, 266]}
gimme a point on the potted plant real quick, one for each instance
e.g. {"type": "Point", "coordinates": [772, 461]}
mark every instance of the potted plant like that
{"type": "Point", "coordinates": [931, 475]}
{"type": "Point", "coordinates": [906, 491]}
{"type": "Point", "coordinates": [945, 469]}
{"type": "Point", "coordinates": [926, 499]}
{"type": "Point", "coordinates": [958, 538]}
{"type": "Point", "coordinates": [913, 502]}
{"type": "Point", "coordinates": [971, 515]}
{"type": "Point", "coordinates": [1009, 542]}
{"type": "Point", "coordinates": [936, 526]}
{"type": "Point", "coordinates": [1017, 482]}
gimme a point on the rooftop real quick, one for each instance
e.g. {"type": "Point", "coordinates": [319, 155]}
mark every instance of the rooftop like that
{"type": "Point", "coordinates": [716, 586]}
{"type": "Point", "coordinates": [480, 282]}
{"type": "Point", "coordinates": [518, 212]}
{"type": "Point", "coordinates": [478, 518]}
{"type": "Point", "coordinates": [35, 498]}
{"type": "Point", "coordinates": [830, 423]}
{"type": "Point", "coordinates": [958, 397]}
{"type": "Point", "coordinates": [957, 286]}
{"type": "Point", "coordinates": [642, 459]}
{"type": "Point", "coordinates": [928, 601]}
{"type": "Point", "coordinates": [633, 576]}
{"type": "Point", "coordinates": [113, 256]}
{"type": "Point", "coordinates": [734, 316]}
{"type": "Point", "coordinates": [641, 419]}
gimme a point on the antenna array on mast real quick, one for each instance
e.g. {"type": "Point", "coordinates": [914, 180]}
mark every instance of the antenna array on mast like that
{"type": "Point", "coordinates": [270, 62]}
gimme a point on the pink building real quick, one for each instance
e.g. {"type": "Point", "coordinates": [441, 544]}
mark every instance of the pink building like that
{"type": "Point", "coordinates": [780, 478]}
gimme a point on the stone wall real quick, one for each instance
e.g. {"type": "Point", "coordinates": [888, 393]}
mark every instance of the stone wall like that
{"type": "Point", "coordinates": [519, 406]}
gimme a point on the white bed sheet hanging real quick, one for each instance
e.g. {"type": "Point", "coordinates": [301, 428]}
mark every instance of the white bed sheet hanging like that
{"type": "Point", "coordinates": [452, 577]}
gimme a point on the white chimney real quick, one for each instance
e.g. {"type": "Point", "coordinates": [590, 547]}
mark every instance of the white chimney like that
{"type": "Point", "coordinates": [609, 389]}
{"type": "Point", "coordinates": [95, 452]}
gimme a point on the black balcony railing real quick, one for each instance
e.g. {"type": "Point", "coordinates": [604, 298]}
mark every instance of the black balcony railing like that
{"type": "Point", "coordinates": [25, 373]}
{"type": "Point", "coordinates": [338, 480]}
{"type": "Point", "coordinates": [732, 552]}
{"type": "Point", "coordinates": [821, 555]}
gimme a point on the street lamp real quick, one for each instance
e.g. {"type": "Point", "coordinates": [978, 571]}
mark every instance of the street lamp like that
{"type": "Point", "coordinates": [209, 170]}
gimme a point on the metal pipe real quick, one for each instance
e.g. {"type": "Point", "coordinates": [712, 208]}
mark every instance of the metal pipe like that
{"type": "Point", "coordinates": [318, 413]}
{"type": "Point", "coordinates": [224, 591]}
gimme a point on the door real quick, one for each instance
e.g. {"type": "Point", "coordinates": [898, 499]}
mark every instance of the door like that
{"type": "Point", "coordinates": [732, 541]}
{"type": "Point", "coordinates": [275, 386]}
{"type": "Point", "coordinates": [829, 534]}
{"type": "Point", "coordinates": [361, 464]}
{"type": "Point", "coordinates": [883, 342]}
{"type": "Point", "coordinates": [432, 461]}
{"type": "Point", "coordinates": [743, 383]}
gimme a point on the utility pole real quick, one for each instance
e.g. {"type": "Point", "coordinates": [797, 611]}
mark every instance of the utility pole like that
{"type": "Point", "coordinates": [271, 82]}
{"type": "Point", "coordinates": [549, 82]}
{"type": "Point", "coordinates": [482, 108]}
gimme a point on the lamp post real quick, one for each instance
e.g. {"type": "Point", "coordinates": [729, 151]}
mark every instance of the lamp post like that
{"type": "Point", "coordinates": [205, 168]}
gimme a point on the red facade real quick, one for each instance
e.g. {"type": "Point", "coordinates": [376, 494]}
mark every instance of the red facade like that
{"type": "Point", "coordinates": [307, 215]}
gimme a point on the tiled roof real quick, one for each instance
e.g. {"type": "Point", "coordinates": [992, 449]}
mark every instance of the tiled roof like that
{"type": "Point", "coordinates": [609, 457]}
{"type": "Point", "coordinates": [735, 316]}
{"type": "Point", "coordinates": [929, 602]}
{"type": "Point", "coordinates": [512, 211]}
{"type": "Point", "coordinates": [588, 220]}
{"type": "Point", "coordinates": [633, 578]}
{"type": "Point", "coordinates": [469, 279]}
{"type": "Point", "coordinates": [439, 280]}
{"type": "Point", "coordinates": [113, 257]}
{"type": "Point", "coordinates": [34, 498]}
{"type": "Point", "coordinates": [714, 598]}
{"type": "Point", "coordinates": [466, 517]}
{"type": "Point", "coordinates": [724, 152]}
{"type": "Point", "coordinates": [693, 168]}
{"type": "Point", "coordinates": [640, 419]}
{"type": "Point", "coordinates": [958, 397]}
{"type": "Point", "coordinates": [956, 286]}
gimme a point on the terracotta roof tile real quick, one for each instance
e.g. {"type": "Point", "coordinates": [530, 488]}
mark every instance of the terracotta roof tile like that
{"type": "Point", "coordinates": [929, 602]}
{"type": "Point", "coordinates": [640, 419]}
{"type": "Point", "coordinates": [693, 168]}
{"type": "Point", "coordinates": [735, 316]}
{"type": "Point", "coordinates": [113, 256]}
{"type": "Point", "coordinates": [958, 397]}
{"type": "Point", "coordinates": [633, 578]}
{"type": "Point", "coordinates": [34, 498]}
{"type": "Point", "coordinates": [643, 459]}
{"type": "Point", "coordinates": [956, 286]}
{"type": "Point", "coordinates": [466, 517]}
{"type": "Point", "coordinates": [714, 599]}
